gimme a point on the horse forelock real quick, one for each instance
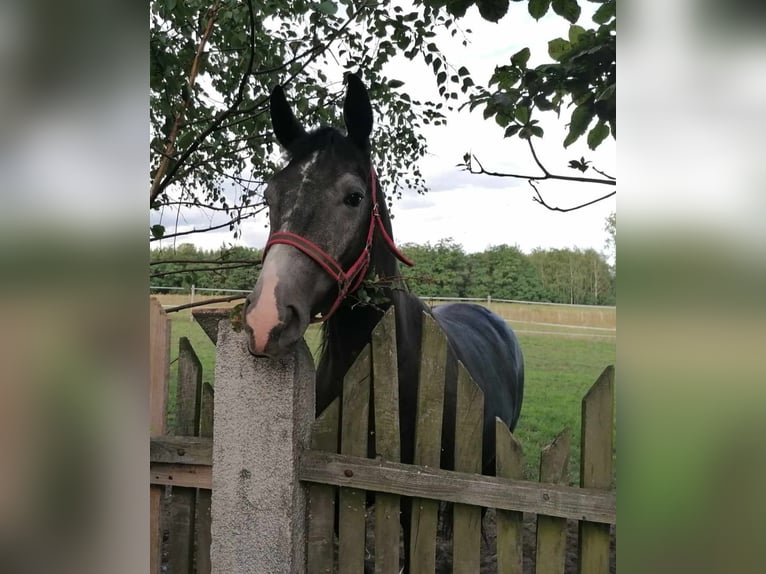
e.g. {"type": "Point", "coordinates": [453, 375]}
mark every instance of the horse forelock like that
{"type": "Point", "coordinates": [328, 141]}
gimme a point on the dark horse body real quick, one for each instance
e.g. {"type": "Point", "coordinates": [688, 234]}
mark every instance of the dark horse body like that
{"type": "Point", "coordinates": [322, 201]}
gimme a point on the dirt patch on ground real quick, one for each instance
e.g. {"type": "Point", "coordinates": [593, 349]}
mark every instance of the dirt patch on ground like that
{"type": "Point", "coordinates": [489, 547]}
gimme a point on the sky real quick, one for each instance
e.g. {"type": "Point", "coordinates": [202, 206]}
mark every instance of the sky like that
{"type": "Point", "coordinates": [477, 211]}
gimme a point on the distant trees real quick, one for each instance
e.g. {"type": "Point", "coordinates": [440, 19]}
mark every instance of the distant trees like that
{"type": "Point", "coordinates": [505, 272]}
{"type": "Point", "coordinates": [574, 276]}
{"type": "Point", "coordinates": [442, 269]}
{"type": "Point", "coordinates": [186, 265]}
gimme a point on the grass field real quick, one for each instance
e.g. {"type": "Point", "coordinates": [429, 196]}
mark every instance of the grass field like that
{"type": "Point", "coordinates": [565, 350]}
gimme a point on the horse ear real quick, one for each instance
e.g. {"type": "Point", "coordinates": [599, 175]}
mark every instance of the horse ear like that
{"type": "Point", "coordinates": [286, 126]}
{"type": "Point", "coordinates": [357, 112]}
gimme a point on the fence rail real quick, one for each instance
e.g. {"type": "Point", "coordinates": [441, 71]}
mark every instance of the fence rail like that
{"type": "Point", "coordinates": [430, 300]}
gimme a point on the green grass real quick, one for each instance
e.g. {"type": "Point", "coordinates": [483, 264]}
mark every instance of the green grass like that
{"type": "Point", "coordinates": [559, 371]}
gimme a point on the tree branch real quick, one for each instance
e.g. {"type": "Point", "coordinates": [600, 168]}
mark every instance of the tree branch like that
{"type": "Point", "coordinates": [156, 188]}
{"type": "Point", "coordinates": [539, 199]}
{"type": "Point", "coordinates": [546, 173]}
{"type": "Point", "coordinates": [168, 178]}
{"type": "Point", "coordinates": [531, 179]}
{"type": "Point", "coordinates": [195, 230]}
{"type": "Point", "coordinates": [604, 174]}
{"type": "Point", "coordinates": [212, 262]}
{"type": "Point", "coordinates": [203, 269]}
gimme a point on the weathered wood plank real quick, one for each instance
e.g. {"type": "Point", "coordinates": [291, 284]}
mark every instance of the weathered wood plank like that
{"type": "Point", "coordinates": [159, 366]}
{"type": "Point", "coordinates": [188, 391]}
{"type": "Point", "coordinates": [187, 475]}
{"type": "Point", "coordinates": [159, 370]}
{"type": "Point", "coordinates": [321, 533]}
{"type": "Point", "coordinates": [596, 468]}
{"type": "Point", "coordinates": [428, 432]}
{"type": "Point", "coordinates": [386, 403]}
{"type": "Point", "coordinates": [183, 500]}
{"type": "Point", "coordinates": [353, 441]}
{"type": "Point", "coordinates": [510, 525]}
{"type": "Point", "coordinates": [469, 421]}
{"type": "Point", "coordinates": [488, 491]}
{"type": "Point", "coordinates": [206, 411]}
{"type": "Point", "coordinates": [552, 531]}
{"type": "Point", "coordinates": [202, 532]}
{"type": "Point", "coordinates": [181, 450]}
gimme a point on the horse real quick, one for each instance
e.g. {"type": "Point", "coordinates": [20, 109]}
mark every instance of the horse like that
{"type": "Point", "coordinates": [329, 230]}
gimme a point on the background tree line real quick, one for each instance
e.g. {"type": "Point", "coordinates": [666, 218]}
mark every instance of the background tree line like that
{"type": "Point", "coordinates": [442, 269]}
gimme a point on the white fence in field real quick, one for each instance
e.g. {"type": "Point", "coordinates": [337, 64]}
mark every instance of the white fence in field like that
{"type": "Point", "coordinates": [519, 325]}
{"type": "Point", "coordinates": [430, 300]}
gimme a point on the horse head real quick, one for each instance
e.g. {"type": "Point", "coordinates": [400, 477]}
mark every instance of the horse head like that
{"type": "Point", "coordinates": [325, 213]}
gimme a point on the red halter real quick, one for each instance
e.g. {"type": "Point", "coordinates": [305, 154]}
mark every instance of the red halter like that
{"type": "Point", "coordinates": [350, 280]}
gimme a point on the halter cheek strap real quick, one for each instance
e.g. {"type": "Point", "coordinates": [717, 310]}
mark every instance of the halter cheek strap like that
{"type": "Point", "coordinates": [349, 280]}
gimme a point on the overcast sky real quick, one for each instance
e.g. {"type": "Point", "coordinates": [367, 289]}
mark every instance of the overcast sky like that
{"type": "Point", "coordinates": [479, 211]}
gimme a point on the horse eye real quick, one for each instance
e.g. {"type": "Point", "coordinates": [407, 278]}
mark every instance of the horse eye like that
{"type": "Point", "coordinates": [353, 199]}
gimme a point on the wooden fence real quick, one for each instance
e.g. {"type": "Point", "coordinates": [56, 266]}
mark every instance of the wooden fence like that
{"type": "Point", "coordinates": [334, 462]}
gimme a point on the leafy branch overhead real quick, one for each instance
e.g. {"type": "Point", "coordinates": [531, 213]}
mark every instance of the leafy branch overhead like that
{"type": "Point", "coordinates": [214, 62]}
{"type": "Point", "coordinates": [582, 77]}
{"type": "Point", "coordinates": [580, 82]}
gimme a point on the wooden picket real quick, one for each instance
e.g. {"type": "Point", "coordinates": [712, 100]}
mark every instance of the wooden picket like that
{"type": "Point", "coordinates": [324, 437]}
{"type": "Point", "coordinates": [596, 468]}
{"type": "Point", "coordinates": [183, 506]}
{"type": "Point", "coordinates": [510, 524]}
{"type": "Point", "coordinates": [552, 531]}
{"type": "Point", "coordinates": [428, 432]}
{"type": "Point", "coordinates": [203, 534]}
{"type": "Point", "coordinates": [386, 407]}
{"type": "Point", "coordinates": [353, 442]}
{"type": "Point", "coordinates": [159, 368]}
{"type": "Point", "coordinates": [469, 418]}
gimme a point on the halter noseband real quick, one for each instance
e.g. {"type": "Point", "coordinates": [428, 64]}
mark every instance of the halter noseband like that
{"type": "Point", "coordinates": [348, 281]}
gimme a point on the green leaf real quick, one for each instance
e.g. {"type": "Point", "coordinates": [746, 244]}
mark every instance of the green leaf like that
{"type": "Point", "coordinates": [158, 231]}
{"type": "Point", "coordinates": [597, 135]}
{"type": "Point", "coordinates": [536, 131]}
{"type": "Point", "coordinates": [521, 113]}
{"type": "Point", "coordinates": [558, 48]}
{"type": "Point", "coordinates": [502, 119]}
{"type": "Point", "coordinates": [605, 13]}
{"type": "Point", "coordinates": [608, 93]}
{"type": "Point", "coordinates": [492, 10]}
{"type": "Point", "coordinates": [580, 121]}
{"type": "Point", "coordinates": [538, 8]}
{"type": "Point", "coordinates": [568, 9]}
{"type": "Point", "coordinates": [575, 32]}
{"type": "Point", "coordinates": [395, 83]}
{"type": "Point", "coordinates": [328, 7]}
{"type": "Point", "coordinates": [520, 58]}
{"type": "Point", "coordinates": [463, 71]}
{"type": "Point", "coordinates": [512, 130]}
{"type": "Point", "coordinates": [441, 77]}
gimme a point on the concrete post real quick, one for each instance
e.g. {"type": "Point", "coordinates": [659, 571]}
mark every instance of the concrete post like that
{"type": "Point", "coordinates": [263, 413]}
